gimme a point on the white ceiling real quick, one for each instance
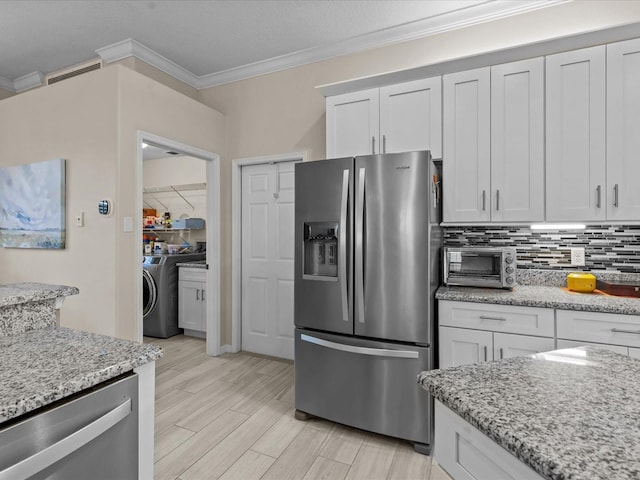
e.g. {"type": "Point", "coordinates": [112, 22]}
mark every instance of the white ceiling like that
{"type": "Point", "coordinates": [208, 42]}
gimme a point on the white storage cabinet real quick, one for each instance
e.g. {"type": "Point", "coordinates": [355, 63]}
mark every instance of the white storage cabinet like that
{"type": "Point", "coordinates": [192, 284]}
{"type": "Point", "coordinates": [396, 118]}
{"type": "Point", "coordinates": [476, 332]}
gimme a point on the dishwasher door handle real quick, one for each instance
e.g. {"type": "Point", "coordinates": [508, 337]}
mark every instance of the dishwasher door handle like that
{"type": "Point", "coordinates": [53, 453]}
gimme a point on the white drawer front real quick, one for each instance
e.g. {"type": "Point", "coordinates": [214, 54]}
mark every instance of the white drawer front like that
{"type": "Point", "coordinates": [574, 343]}
{"type": "Point", "coordinates": [606, 328]}
{"type": "Point", "coordinates": [193, 274]}
{"type": "Point", "coordinates": [498, 318]}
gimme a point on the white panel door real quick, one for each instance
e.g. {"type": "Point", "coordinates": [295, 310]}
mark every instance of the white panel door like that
{"type": "Point", "coordinates": [575, 132]}
{"type": "Point", "coordinates": [467, 146]}
{"type": "Point", "coordinates": [460, 346]}
{"type": "Point", "coordinates": [517, 141]}
{"type": "Point", "coordinates": [623, 141]}
{"type": "Point", "coordinates": [508, 346]}
{"type": "Point", "coordinates": [267, 259]}
{"type": "Point", "coordinates": [353, 124]}
{"type": "Point", "coordinates": [411, 117]}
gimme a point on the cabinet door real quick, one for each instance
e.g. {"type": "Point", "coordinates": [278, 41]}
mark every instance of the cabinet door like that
{"type": "Point", "coordinates": [623, 141]}
{"type": "Point", "coordinates": [613, 348]}
{"type": "Point", "coordinates": [353, 124]}
{"type": "Point", "coordinates": [517, 141]}
{"type": "Point", "coordinates": [466, 146]}
{"type": "Point", "coordinates": [459, 346]}
{"type": "Point", "coordinates": [507, 346]}
{"type": "Point", "coordinates": [191, 305]}
{"type": "Point", "coordinates": [411, 117]}
{"type": "Point", "coordinates": [575, 132]}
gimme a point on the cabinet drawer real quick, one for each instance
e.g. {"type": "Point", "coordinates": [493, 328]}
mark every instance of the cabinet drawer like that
{"type": "Point", "coordinates": [610, 328]}
{"type": "Point", "coordinates": [498, 318]}
{"type": "Point", "coordinates": [193, 274]}
{"type": "Point", "coordinates": [506, 345]}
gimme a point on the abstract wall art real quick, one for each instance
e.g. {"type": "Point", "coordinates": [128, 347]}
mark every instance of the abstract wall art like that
{"type": "Point", "coordinates": [32, 205]}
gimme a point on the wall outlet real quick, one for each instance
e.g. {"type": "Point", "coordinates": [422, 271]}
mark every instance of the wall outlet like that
{"type": "Point", "coordinates": [577, 256]}
{"type": "Point", "coordinates": [80, 219]}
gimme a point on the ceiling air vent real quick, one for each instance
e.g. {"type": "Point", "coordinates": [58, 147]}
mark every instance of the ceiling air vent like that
{"type": "Point", "coordinates": [73, 71]}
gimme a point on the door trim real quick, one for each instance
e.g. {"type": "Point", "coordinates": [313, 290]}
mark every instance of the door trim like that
{"type": "Point", "coordinates": [236, 237]}
{"type": "Point", "coordinates": [212, 235]}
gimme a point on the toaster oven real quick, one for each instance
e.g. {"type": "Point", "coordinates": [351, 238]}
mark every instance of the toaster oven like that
{"type": "Point", "coordinates": [492, 267]}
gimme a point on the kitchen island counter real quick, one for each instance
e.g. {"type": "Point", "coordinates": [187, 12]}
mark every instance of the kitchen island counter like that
{"type": "Point", "coordinates": [569, 413]}
{"type": "Point", "coordinates": [45, 365]}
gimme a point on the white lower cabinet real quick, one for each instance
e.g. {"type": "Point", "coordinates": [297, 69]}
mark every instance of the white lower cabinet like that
{"type": "Point", "coordinates": [478, 332]}
{"type": "Point", "coordinates": [192, 284]}
{"type": "Point", "coordinates": [465, 453]}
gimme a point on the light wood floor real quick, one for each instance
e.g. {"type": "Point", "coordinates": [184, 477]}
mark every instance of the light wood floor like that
{"type": "Point", "coordinates": [231, 417]}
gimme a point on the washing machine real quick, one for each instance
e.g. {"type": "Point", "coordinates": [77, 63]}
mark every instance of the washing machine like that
{"type": "Point", "coordinates": [160, 293]}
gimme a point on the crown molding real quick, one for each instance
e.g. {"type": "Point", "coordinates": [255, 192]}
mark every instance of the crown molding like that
{"type": "Point", "coordinates": [7, 84]}
{"type": "Point", "coordinates": [481, 13]}
{"type": "Point", "coordinates": [28, 81]}
{"type": "Point", "coordinates": [131, 48]}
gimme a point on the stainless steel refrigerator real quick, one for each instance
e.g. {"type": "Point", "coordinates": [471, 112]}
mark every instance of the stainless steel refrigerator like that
{"type": "Point", "coordinates": [367, 240]}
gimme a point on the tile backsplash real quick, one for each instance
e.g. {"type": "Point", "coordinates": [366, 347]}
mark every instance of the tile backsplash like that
{"type": "Point", "coordinates": [613, 248]}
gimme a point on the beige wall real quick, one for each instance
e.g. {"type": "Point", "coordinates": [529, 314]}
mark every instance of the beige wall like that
{"type": "Point", "coordinates": [159, 76]}
{"type": "Point", "coordinates": [92, 121]}
{"type": "Point", "coordinates": [5, 93]}
{"type": "Point", "coordinates": [282, 112]}
{"type": "Point", "coordinates": [75, 120]}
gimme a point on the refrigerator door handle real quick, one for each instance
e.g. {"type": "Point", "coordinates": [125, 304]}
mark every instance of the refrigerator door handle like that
{"type": "Point", "coordinates": [377, 352]}
{"type": "Point", "coordinates": [342, 253]}
{"type": "Point", "coordinates": [359, 246]}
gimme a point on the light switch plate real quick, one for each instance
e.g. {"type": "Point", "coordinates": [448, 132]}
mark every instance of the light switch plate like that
{"type": "Point", "coordinates": [80, 219]}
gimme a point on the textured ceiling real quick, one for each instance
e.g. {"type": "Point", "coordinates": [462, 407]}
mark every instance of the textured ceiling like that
{"type": "Point", "coordinates": [207, 37]}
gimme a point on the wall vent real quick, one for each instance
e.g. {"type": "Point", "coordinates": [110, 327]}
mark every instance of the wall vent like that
{"type": "Point", "coordinates": [73, 71]}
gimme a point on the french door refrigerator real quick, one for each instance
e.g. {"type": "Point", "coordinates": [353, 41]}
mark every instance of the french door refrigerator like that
{"type": "Point", "coordinates": [367, 242]}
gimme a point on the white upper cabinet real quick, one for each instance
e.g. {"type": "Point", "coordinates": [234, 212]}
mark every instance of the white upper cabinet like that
{"type": "Point", "coordinates": [411, 117]}
{"type": "Point", "coordinates": [623, 130]}
{"type": "Point", "coordinates": [466, 146]}
{"type": "Point", "coordinates": [353, 124]}
{"type": "Point", "coordinates": [397, 118]}
{"type": "Point", "coordinates": [575, 130]}
{"type": "Point", "coordinates": [517, 141]}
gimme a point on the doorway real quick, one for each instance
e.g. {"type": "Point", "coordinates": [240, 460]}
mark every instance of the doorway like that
{"type": "Point", "coordinates": [263, 218]}
{"type": "Point", "coordinates": [212, 222]}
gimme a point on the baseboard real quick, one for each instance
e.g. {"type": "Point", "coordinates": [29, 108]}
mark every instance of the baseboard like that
{"type": "Point", "coordinates": [226, 349]}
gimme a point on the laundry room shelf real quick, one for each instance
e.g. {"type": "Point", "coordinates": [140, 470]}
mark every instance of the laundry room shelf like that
{"type": "Point", "coordinates": [186, 187]}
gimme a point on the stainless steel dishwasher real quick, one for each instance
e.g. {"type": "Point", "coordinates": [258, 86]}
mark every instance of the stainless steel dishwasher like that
{"type": "Point", "coordinates": [93, 434]}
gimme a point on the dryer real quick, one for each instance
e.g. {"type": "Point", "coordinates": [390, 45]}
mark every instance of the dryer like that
{"type": "Point", "coordinates": [160, 293]}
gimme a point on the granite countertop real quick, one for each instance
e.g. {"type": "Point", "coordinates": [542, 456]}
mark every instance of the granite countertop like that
{"type": "Point", "coordinates": [196, 264]}
{"type": "Point", "coordinates": [570, 413]}
{"type": "Point", "coordinates": [545, 289]}
{"type": "Point", "coordinates": [16, 293]}
{"type": "Point", "coordinates": [42, 366]}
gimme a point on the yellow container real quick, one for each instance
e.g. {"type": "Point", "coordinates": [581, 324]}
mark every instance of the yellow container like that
{"type": "Point", "coordinates": [581, 282]}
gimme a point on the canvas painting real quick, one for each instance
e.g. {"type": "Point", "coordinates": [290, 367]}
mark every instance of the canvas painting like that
{"type": "Point", "coordinates": [32, 205]}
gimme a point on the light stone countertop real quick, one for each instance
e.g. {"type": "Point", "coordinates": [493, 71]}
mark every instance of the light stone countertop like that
{"type": "Point", "coordinates": [42, 366]}
{"type": "Point", "coordinates": [539, 288]}
{"type": "Point", "coordinates": [16, 293]}
{"type": "Point", "coordinates": [570, 413]}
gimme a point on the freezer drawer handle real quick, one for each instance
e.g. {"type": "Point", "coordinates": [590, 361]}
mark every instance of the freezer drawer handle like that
{"type": "Point", "coordinates": [621, 330]}
{"type": "Point", "coordinates": [377, 352]}
{"type": "Point", "coordinates": [342, 252]}
{"type": "Point", "coordinates": [50, 455]}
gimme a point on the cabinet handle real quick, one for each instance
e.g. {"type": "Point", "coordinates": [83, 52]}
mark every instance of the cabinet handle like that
{"type": "Point", "coordinates": [497, 200]}
{"type": "Point", "coordinates": [384, 144]}
{"type": "Point", "coordinates": [485, 353]}
{"type": "Point", "coordinates": [484, 200]}
{"type": "Point", "coordinates": [501, 354]}
{"type": "Point", "coordinates": [621, 330]}
{"type": "Point", "coordinates": [485, 317]}
{"type": "Point", "coordinates": [598, 196]}
{"type": "Point", "coordinates": [373, 145]}
{"type": "Point", "coordinates": [197, 294]}
{"type": "Point", "coordinates": [615, 195]}
{"type": "Point", "coordinates": [202, 294]}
